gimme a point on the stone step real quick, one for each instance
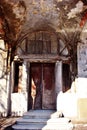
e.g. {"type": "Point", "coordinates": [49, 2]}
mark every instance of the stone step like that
{"type": "Point", "coordinates": [44, 127]}
{"type": "Point", "coordinates": [38, 114]}
{"type": "Point", "coordinates": [28, 127]}
{"type": "Point", "coordinates": [42, 120]}
{"type": "Point", "coordinates": [60, 121]}
{"type": "Point", "coordinates": [33, 121]}
{"type": "Point", "coordinates": [58, 127]}
{"type": "Point", "coordinates": [58, 124]}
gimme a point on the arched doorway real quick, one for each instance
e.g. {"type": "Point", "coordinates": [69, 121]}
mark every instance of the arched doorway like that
{"type": "Point", "coordinates": [41, 50]}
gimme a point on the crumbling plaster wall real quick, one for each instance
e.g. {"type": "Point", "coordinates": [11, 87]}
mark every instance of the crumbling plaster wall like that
{"type": "Point", "coordinates": [3, 80]}
{"type": "Point", "coordinates": [77, 96]}
{"type": "Point", "coordinates": [41, 14]}
{"type": "Point", "coordinates": [13, 12]}
{"type": "Point", "coordinates": [82, 63]}
{"type": "Point", "coordinates": [82, 53]}
{"type": "Point", "coordinates": [22, 16]}
{"type": "Point", "coordinates": [53, 14]}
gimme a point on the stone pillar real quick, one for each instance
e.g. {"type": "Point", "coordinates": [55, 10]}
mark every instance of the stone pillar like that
{"type": "Point", "coordinates": [24, 77]}
{"type": "Point", "coordinates": [19, 99]}
{"type": "Point", "coordinates": [81, 81]}
{"type": "Point", "coordinates": [58, 76]}
{"type": "Point", "coordinates": [82, 70]}
{"type": "Point", "coordinates": [58, 79]}
{"type": "Point", "coordinates": [12, 77]}
{"type": "Point", "coordinates": [25, 84]}
{"type": "Point", "coordinates": [82, 60]}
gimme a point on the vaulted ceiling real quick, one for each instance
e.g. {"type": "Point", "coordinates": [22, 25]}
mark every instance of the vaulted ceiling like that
{"type": "Point", "coordinates": [18, 17]}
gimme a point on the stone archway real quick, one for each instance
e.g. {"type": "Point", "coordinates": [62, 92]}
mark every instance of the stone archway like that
{"type": "Point", "coordinates": [37, 49]}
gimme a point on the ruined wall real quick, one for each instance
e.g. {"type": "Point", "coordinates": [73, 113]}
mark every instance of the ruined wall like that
{"type": "Point", "coordinates": [19, 98]}
{"type": "Point", "coordinates": [82, 60]}
{"type": "Point", "coordinates": [40, 14]}
{"type": "Point", "coordinates": [82, 53]}
{"type": "Point", "coordinates": [14, 104]}
{"type": "Point", "coordinates": [82, 64]}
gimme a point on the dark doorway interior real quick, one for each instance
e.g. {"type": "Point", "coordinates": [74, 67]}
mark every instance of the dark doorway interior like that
{"type": "Point", "coordinates": [17, 77]}
{"type": "Point", "coordinates": [66, 77]}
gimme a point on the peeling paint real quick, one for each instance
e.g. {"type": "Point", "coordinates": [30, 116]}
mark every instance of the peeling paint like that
{"type": "Point", "coordinates": [75, 11]}
{"type": "Point", "coordinates": [25, 15]}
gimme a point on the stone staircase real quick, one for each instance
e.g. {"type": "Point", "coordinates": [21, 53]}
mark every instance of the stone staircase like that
{"type": "Point", "coordinates": [42, 120]}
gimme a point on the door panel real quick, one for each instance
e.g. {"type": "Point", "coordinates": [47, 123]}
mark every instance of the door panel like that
{"type": "Point", "coordinates": [48, 100]}
{"type": "Point", "coordinates": [36, 73]}
{"type": "Point", "coordinates": [43, 78]}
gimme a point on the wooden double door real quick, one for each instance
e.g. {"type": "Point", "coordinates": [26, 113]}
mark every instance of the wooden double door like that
{"type": "Point", "coordinates": [43, 77]}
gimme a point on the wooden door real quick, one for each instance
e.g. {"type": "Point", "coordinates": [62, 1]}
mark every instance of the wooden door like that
{"type": "Point", "coordinates": [42, 75]}
{"type": "Point", "coordinates": [48, 100]}
{"type": "Point", "coordinates": [36, 76]}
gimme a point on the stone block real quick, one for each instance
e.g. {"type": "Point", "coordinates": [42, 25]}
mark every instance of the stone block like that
{"type": "Point", "coordinates": [82, 108]}
{"type": "Point", "coordinates": [81, 87]}
{"type": "Point", "coordinates": [67, 104]}
{"type": "Point", "coordinates": [19, 104]}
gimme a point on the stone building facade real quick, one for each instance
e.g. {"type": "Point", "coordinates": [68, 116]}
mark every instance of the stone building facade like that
{"type": "Point", "coordinates": [42, 51]}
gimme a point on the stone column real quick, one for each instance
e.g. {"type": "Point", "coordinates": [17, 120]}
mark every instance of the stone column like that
{"type": "Point", "coordinates": [82, 70]}
{"type": "Point", "coordinates": [24, 96]}
{"type": "Point", "coordinates": [58, 77]}
{"type": "Point", "coordinates": [29, 101]}
{"type": "Point", "coordinates": [58, 80]}
{"type": "Point", "coordinates": [24, 77]}
{"type": "Point", "coordinates": [12, 77]}
{"type": "Point", "coordinates": [82, 59]}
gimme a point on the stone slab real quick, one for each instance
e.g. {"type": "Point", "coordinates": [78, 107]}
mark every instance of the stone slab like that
{"type": "Point", "coordinates": [82, 108]}
{"type": "Point", "coordinates": [33, 121]}
{"type": "Point", "coordinates": [38, 114]}
{"type": "Point", "coordinates": [28, 127]}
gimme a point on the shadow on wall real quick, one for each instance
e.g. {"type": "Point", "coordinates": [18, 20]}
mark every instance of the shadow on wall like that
{"type": "Point", "coordinates": [3, 88]}
{"type": "Point", "coordinates": [3, 79]}
{"type": "Point", "coordinates": [3, 101]}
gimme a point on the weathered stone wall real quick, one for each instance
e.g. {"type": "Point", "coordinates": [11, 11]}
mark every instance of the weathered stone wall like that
{"type": "Point", "coordinates": [82, 60]}
{"type": "Point", "coordinates": [77, 98]}
{"type": "Point", "coordinates": [40, 14]}
{"type": "Point", "coordinates": [19, 104]}
{"type": "Point", "coordinates": [45, 15]}
{"type": "Point", "coordinates": [3, 80]}
{"type": "Point", "coordinates": [19, 99]}
{"type": "Point", "coordinates": [14, 104]}
{"type": "Point", "coordinates": [82, 64]}
{"type": "Point", "coordinates": [82, 53]}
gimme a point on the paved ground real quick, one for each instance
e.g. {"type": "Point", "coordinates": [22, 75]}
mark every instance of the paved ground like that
{"type": "Point", "coordinates": [79, 124]}
{"type": "Point", "coordinates": [5, 122]}
{"type": "Point", "coordinates": [80, 127]}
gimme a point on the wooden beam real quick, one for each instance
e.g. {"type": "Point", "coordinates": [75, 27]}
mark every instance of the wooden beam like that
{"type": "Point", "coordinates": [42, 58]}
